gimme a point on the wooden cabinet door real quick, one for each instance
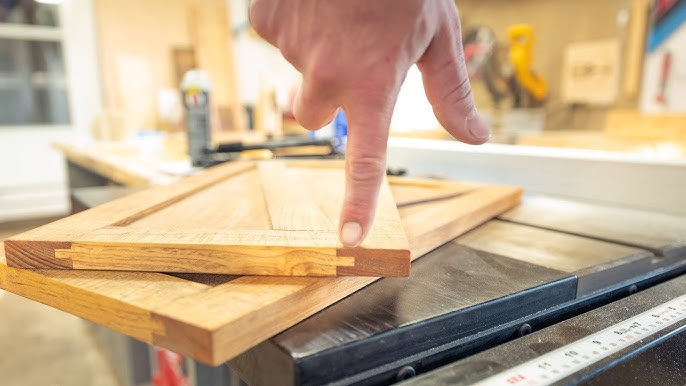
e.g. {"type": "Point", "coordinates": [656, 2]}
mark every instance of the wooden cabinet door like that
{"type": "Point", "coordinates": [265, 218]}
{"type": "Point", "coordinates": [213, 318]}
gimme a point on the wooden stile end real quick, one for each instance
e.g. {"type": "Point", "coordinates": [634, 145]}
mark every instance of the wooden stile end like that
{"type": "Point", "coordinates": [31, 254]}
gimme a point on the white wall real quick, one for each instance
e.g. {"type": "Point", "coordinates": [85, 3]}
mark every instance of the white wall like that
{"type": "Point", "coordinates": [258, 63]}
{"type": "Point", "coordinates": [33, 180]}
{"type": "Point", "coordinates": [32, 173]}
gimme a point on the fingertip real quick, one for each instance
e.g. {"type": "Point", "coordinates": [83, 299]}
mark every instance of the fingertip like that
{"type": "Point", "coordinates": [477, 128]}
{"type": "Point", "coordinates": [469, 128]}
{"type": "Point", "coordinates": [447, 85]}
{"type": "Point", "coordinates": [363, 181]}
{"type": "Point", "coordinates": [351, 234]}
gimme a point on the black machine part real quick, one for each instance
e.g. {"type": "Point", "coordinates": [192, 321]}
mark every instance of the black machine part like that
{"type": "Point", "coordinates": [235, 147]}
{"type": "Point", "coordinates": [657, 359]}
{"type": "Point", "coordinates": [462, 299]}
{"type": "Point", "coordinates": [231, 151]}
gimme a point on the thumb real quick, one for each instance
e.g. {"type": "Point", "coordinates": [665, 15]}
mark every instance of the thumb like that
{"type": "Point", "coordinates": [365, 166]}
{"type": "Point", "coordinates": [447, 86]}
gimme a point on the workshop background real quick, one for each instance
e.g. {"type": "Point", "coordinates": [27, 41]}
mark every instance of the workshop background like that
{"type": "Point", "coordinates": [105, 76]}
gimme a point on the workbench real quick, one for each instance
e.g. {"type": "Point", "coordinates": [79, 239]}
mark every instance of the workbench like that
{"type": "Point", "coordinates": [155, 159]}
{"type": "Point", "coordinates": [594, 231]}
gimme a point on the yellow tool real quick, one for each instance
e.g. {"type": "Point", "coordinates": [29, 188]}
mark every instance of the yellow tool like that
{"type": "Point", "coordinates": [522, 41]}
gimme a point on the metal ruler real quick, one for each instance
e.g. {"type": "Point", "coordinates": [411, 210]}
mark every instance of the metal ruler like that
{"type": "Point", "coordinates": [569, 359]}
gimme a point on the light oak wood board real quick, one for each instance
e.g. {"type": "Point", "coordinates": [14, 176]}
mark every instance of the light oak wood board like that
{"type": "Point", "coordinates": [265, 218]}
{"type": "Point", "coordinates": [416, 191]}
{"type": "Point", "coordinates": [213, 318]}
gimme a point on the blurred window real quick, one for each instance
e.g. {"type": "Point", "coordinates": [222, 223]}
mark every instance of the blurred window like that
{"type": "Point", "coordinates": [33, 85]}
{"type": "Point", "coordinates": [28, 12]}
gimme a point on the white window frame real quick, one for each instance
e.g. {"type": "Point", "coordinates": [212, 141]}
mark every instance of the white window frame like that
{"type": "Point", "coordinates": [33, 181]}
{"type": "Point", "coordinates": [77, 35]}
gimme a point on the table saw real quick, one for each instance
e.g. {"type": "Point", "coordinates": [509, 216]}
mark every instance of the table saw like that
{"type": "Point", "coordinates": [469, 295]}
{"type": "Point", "coordinates": [489, 301]}
{"type": "Point", "coordinates": [598, 241]}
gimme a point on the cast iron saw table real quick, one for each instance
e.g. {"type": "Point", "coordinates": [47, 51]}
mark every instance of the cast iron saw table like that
{"type": "Point", "coordinates": [539, 277]}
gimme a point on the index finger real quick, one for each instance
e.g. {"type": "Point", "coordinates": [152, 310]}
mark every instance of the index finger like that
{"type": "Point", "coordinates": [365, 165]}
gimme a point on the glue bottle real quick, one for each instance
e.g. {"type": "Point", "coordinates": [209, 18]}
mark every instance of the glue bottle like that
{"type": "Point", "coordinates": [195, 89]}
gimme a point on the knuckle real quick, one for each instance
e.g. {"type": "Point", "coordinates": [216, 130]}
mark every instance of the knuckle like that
{"type": "Point", "coordinates": [288, 49]}
{"type": "Point", "coordinates": [322, 72]}
{"type": "Point", "coordinates": [459, 94]}
{"type": "Point", "coordinates": [366, 170]}
{"type": "Point", "coordinates": [258, 18]}
{"type": "Point", "coordinates": [309, 119]}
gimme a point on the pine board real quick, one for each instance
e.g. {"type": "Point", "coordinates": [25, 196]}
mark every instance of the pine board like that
{"type": "Point", "coordinates": [265, 218]}
{"type": "Point", "coordinates": [213, 318]}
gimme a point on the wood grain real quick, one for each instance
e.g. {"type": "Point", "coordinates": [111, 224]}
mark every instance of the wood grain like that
{"type": "Point", "coordinates": [213, 318]}
{"type": "Point", "coordinates": [119, 300]}
{"type": "Point", "coordinates": [292, 208]}
{"type": "Point", "coordinates": [417, 190]}
{"type": "Point", "coordinates": [237, 211]}
{"type": "Point", "coordinates": [454, 215]}
{"type": "Point", "coordinates": [128, 207]}
{"type": "Point", "coordinates": [274, 222]}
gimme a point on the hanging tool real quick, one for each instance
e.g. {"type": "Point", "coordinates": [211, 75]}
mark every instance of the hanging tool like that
{"type": "Point", "coordinates": [483, 63]}
{"type": "Point", "coordinates": [522, 40]}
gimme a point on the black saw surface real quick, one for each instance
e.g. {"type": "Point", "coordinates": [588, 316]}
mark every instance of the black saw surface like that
{"type": "Point", "coordinates": [537, 265]}
{"type": "Point", "coordinates": [658, 359]}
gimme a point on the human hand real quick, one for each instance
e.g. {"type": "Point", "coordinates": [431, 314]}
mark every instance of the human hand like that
{"type": "Point", "coordinates": [355, 54]}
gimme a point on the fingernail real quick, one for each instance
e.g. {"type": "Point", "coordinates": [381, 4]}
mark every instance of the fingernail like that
{"type": "Point", "coordinates": [477, 127]}
{"type": "Point", "coordinates": [351, 233]}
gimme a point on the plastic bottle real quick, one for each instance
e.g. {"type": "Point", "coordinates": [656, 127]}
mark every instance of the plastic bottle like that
{"type": "Point", "coordinates": [195, 89]}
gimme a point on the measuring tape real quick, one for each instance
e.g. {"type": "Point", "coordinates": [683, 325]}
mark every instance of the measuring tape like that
{"type": "Point", "coordinates": [567, 360]}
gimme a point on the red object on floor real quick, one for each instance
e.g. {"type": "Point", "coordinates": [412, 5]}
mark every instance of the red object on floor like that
{"type": "Point", "coordinates": [169, 369]}
{"type": "Point", "coordinates": [664, 75]}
